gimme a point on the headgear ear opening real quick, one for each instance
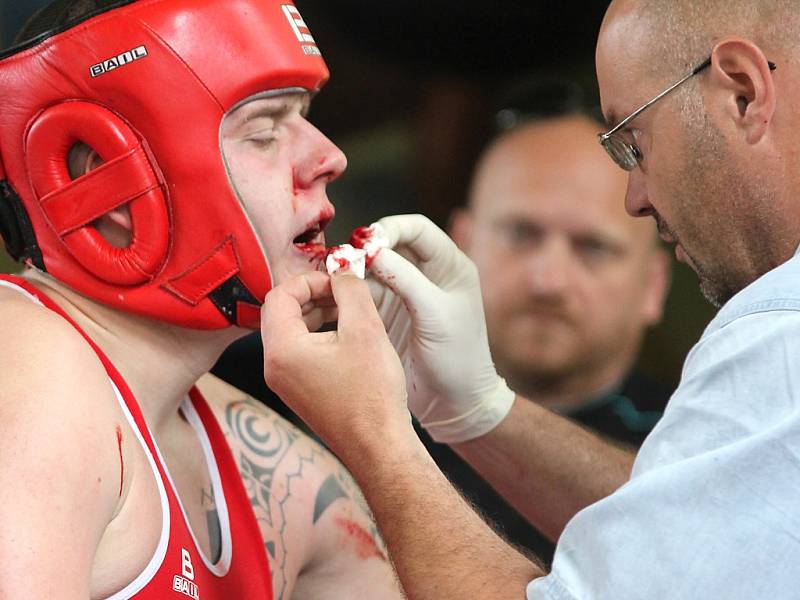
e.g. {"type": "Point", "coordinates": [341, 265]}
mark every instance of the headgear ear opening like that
{"type": "Point", "coordinates": [126, 177]}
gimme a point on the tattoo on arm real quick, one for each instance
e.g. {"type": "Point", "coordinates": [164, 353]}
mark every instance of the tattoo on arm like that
{"type": "Point", "coordinates": [264, 441]}
{"type": "Point", "coordinates": [330, 491]}
{"type": "Point", "coordinates": [342, 485]}
{"type": "Point", "coordinates": [212, 518]}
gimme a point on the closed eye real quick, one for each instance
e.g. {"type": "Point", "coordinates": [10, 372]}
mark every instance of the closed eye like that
{"type": "Point", "coordinates": [262, 142]}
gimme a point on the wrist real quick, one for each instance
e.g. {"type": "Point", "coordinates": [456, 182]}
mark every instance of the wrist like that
{"type": "Point", "coordinates": [488, 410]}
{"type": "Point", "coordinates": [378, 442]}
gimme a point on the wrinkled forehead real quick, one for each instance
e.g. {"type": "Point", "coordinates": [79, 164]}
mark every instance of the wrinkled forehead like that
{"type": "Point", "coordinates": [553, 173]}
{"type": "Point", "coordinates": [271, 104]}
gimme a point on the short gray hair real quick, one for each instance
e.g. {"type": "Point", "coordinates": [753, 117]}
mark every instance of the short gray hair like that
{"type": "Point", "coordinates": [686, 30]}
{"type": "Point", "coordinates": [683, 33]}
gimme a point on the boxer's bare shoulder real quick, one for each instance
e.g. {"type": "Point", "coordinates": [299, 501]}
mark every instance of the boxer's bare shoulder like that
{"type": "Point", "coordinates": [60, 455]}
{"type": "Point", "coordinates": [319, 535]}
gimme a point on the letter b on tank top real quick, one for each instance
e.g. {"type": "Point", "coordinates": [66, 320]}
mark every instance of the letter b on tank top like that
{"type": "Point", "coordinates": [188, 569]}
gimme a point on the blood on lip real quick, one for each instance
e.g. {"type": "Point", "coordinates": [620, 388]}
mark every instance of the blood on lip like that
{"type": "Point", "coordinates": [359, 238]}
{"type": "Point", "coordinates": [314, 251]}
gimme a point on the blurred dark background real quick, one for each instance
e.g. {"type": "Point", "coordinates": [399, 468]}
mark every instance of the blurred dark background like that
{"type": "Point", "coordinates": [414, 89]}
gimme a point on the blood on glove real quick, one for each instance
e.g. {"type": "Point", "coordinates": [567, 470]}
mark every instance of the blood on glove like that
{"type": "Point", "coordinates": [357, 256]}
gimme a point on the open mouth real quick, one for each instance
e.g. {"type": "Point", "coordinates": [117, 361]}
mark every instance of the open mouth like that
{"type": "Point", "coordinates": [312, 241]}
{"type": "Point", "coordinates": [309, 236]}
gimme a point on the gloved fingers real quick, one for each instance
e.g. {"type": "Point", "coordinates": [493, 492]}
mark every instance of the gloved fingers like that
{"type": "Point", "coordinates": [381, 295]}
{"type": "Point", "coordinates": [397, 322]}
{"type": "Point", "coordinates": [282, 313]}
{"type": "Point", "coordinates": [404, 279]}
{"type": "Point", "coordinates": [388, 303]}
{"type": "Point", "coordinates": [418, 233]}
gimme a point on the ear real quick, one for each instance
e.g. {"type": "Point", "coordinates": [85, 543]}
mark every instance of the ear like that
{"type": "Point", "coordinates": [658, 284]}
{"type": "Point", "coordinates": [120, 216]}
{"type": "Point", "coordinates": [91, 161]}
{"type": "Point", "coordinates": [115, 225]}
{"type": "Point", "coordinates": [460, 227]}
{"type": "Point", "coordinates": [742, 73]}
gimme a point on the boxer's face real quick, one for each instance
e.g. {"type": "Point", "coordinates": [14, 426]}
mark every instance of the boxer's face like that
{"type": "Point", "coordinates": [280, 166]}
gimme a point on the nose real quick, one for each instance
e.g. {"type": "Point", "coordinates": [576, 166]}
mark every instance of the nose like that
{"type": "Point", "coordinates": [322, 160]}
{"type": "Point", "coordinates": [636, 197]}
{"type": "Point", "coordinates": [548, 267]}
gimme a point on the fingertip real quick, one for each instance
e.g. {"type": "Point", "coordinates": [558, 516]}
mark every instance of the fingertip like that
{"type": "Point", "coordinates": [353, 298]}
{"type": "Point", "coordinates": [390, 229]}
{"type": "Point", "coordinates": [284, 304]}
{"type": "Point", "coordinates": [344, 277]}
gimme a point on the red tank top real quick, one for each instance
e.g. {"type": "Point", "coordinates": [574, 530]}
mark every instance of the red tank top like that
{"type": "Point", "coordinates": [179, 569]}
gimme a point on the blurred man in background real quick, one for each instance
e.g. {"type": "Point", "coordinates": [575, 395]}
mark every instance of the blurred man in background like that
{"type": "Point", "coordinates": [570, 283]}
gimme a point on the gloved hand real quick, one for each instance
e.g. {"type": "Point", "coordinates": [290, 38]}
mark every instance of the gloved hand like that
{"type": "Point", "coordinates": [428, 295]}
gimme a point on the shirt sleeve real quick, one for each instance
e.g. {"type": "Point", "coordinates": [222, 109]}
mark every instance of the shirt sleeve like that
{"type": "Point", "coordinates": [711, 508]}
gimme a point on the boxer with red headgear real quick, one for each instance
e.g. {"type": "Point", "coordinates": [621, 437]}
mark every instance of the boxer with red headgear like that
{"type": "Point", "coordinates": [157, 177]}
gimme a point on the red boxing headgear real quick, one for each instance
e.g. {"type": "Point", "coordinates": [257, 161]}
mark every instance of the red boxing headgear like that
{"type": "Point", "coordinates": [146, 85]}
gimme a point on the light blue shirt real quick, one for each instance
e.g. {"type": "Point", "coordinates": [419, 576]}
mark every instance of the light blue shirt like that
{"type": "Point", "coordinates": [712, 510]}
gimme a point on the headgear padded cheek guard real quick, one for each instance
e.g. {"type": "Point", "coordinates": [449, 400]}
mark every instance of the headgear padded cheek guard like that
{"type": "Point", "coordinates": [146, 85]}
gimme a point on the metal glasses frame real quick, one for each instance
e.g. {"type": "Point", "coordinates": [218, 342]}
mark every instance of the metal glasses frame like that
{"type": "Point", "coordinates": [628, 155]}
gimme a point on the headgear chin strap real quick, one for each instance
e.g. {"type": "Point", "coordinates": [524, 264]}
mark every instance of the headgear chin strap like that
{"type": "Point", "coordinates": [146, 85]}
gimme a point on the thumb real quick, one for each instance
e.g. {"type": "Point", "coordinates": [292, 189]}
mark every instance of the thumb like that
{"type": "Point", "coordinates": [404, 278]}
{"type": "Point", "coordinates": [357, 310]}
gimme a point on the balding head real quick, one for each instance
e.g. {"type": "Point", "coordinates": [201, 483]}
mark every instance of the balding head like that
{"type": "Point", "coordinates": [569, 280]}
{"type": "Point", "coordinates": [719, 153]}
{"type": "Point", "coordinates": [555, 158]}
{"type": "Point", "coordinates": [678, 34]}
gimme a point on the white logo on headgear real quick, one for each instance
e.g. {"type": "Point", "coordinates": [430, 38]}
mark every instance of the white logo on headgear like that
{"type": "Point", "coordinates": [301, 30]}
{"type": "Point", "coordinates": [118, 61]}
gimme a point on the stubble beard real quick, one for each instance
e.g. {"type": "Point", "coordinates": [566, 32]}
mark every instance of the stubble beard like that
{"type": "Point", "coordinates": [550, 371]}
{"type": "Point", "coordinates": [714, 291]}
{"type": "Point", "coordinates": [710, 182]}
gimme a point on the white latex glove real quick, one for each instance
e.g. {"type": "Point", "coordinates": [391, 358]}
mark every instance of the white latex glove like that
{"type": "Point", "coordinates": [428, 295]}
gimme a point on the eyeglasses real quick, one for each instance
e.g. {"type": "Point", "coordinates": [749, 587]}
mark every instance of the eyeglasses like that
{"type": "Point", "coordinates": [628, 155]}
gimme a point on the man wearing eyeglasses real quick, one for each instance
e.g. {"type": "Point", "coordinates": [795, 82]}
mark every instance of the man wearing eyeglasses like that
{"type": "Point", "coordinates": [701, 104]}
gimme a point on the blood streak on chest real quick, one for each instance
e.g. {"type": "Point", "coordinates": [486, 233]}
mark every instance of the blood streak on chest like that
{"type": "Point", "coordinates": [121, 462]}
{"type": "Point", "coordinates": [364, 543]}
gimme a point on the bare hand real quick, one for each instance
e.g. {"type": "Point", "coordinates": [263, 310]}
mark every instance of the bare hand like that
{"type": "Point", "coordinates": [347, 385]}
